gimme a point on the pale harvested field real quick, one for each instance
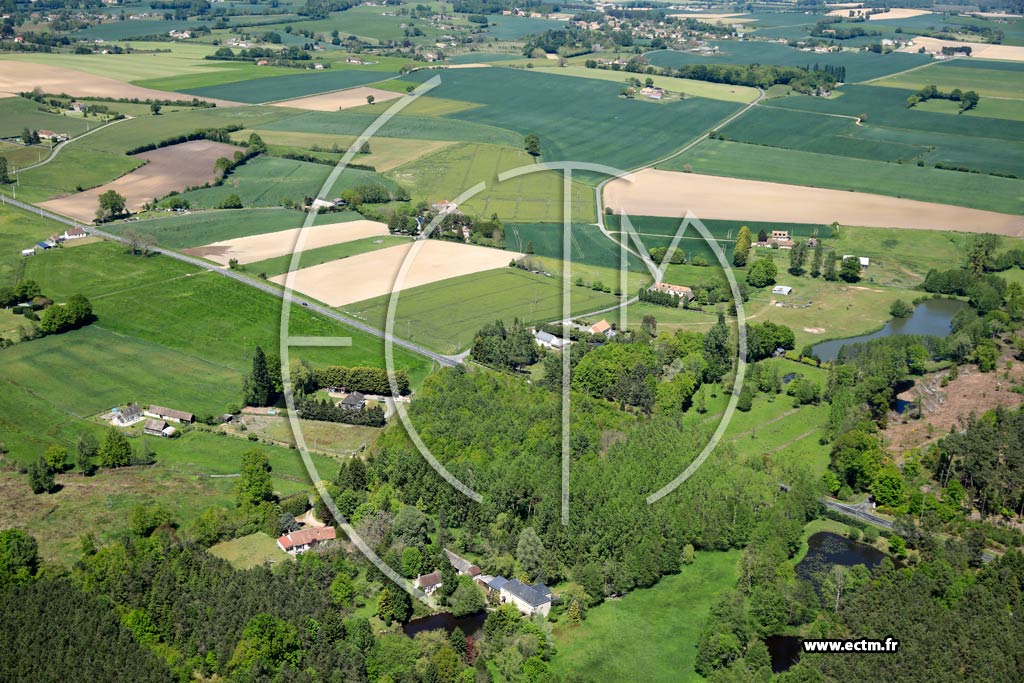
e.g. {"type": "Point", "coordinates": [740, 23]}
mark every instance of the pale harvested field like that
{"type": "Point", "coordinates": [374, 274]}
{"type": "Point", "coordinates": [895, 13]}
{"type": "Point", "coordinates": [716, 18]}
{"type": "Point", "coordinates": [669, 193]}
{"type": "Point", "coordinates": [386, 153]}
{"type": "Point", "coordinates": [1009, 53]}
{"type": "Point", "coordinates": [169, 168]}
{"type": "Point", "coordinates": [343, 99]}
{"type": "Point", "coordinates": [19, 76]}
{"type": "Point", "coordinates": [479, 65]}
{"type": "Point", "coordinates": [272, 244]}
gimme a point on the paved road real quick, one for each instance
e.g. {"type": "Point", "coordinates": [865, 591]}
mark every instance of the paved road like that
{"type": "Point", "coordinates": [61, 145]}
{"type": "Point", "coordinates": [257, 284]}
{"type": "Point", "coordinates": [860, 512]}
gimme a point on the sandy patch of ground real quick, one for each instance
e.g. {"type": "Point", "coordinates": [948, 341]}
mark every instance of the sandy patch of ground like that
{"type": "Point", "coordinates": [814, 330]}
{"type": "Point", "coordinates": [476, 65]}
{"type": "Point", "coordinates": [671, 193]}
{"type": "Point", "coordinates": [944, 407]}
{"type": "Point", "coordinates": [343, 99]}
{"type": "Point", "coordinates": [995, 15]}
{"type": "Point", "coordinates": [18, 76]}
{"type": "Point", "coordinates": [365, 276]}
{"type": "Point", "coordinates": [895, 13]}
{"type": "Point", "coordinates": [1009, 53]}
{"type": "Point", "coordinates": [716, 18]}
{"type": "Point", "coordinates": [169, 168]}
{"type": "Point", "coordinates": [272, 244]}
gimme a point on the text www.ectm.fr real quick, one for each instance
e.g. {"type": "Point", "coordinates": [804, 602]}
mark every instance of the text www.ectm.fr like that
{"type": "Point", "coordinates": [858, 645]}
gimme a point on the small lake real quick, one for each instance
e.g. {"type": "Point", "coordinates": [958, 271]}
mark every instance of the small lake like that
{"type": "Point", "coordinates": [824, 549]}
{"type": "Point", "coordinates": [931, 317]}
{"type": "Point", "coordinates": [471, 624]}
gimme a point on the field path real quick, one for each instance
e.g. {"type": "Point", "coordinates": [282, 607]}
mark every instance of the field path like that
{"type": "Point", "coordinates": [61, 145]}
{"type": "Point", "coordinates": [906, 71]}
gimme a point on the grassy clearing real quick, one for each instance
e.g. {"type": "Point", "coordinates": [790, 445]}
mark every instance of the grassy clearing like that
{"type": "Point", "coordinates": [1011, 110]}
{"type": "Point", "coordinates": [446, 315]}
{"type": "Point", "coordinates": [446, 174]}
{"type": "Point", "coordinates": [19, 156]}
{"type": "Point", "coordinates": [19, 230]}
{"type": "Point", "coordinates": [314, 257]}
{"type": "Point", "coordinates": [250, 551]}
{"type": "Point", "coordinates": [654, 630]}
{"type": "Point", "coordinates": [987, 82]}
{"type": "Point", "coordinates": [339, 439]}
{"type": "Point", "coordinates": [692, 88]}
{"type": "Point", "coordinates": [772, 164]}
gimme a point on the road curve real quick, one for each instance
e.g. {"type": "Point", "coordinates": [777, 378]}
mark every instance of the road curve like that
{"type": "Point", "coordinates": [446, 361]}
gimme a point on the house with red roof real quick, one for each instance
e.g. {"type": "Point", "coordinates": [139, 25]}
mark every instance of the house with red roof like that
{"type": "Point", "coordinates": [302, 540]}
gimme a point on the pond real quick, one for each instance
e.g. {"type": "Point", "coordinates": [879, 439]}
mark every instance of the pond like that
{"type": "Point", "coordinates": [824, 550]}
{"type": "Point", "coordinates": [931, 317]}
{"type": "Point", "coordinates": [471, 624]}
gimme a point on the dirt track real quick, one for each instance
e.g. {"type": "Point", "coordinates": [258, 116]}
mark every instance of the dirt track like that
{"type": "Point", "coordinates": [343, 99]}
{"type": "Point", "coordinates": [273, 244]}
{"type": "Point", "coordinates": [368, 275]}
{"type": "Point", "coordinates": [169, 168]}
{"type": "Point", "coordinates": [18, 76]}
{"type": "Point", "coordinates": [669, 193]}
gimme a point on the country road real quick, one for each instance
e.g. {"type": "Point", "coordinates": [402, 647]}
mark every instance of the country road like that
{"type": "Point", "coordinates": [61, 145]}
{"type": "Point", "coordinates": [447, 361]}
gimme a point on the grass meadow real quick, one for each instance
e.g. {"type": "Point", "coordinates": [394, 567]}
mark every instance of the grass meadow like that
{"type": "Point", "coordinates": [18, 113]}
{"type": "Point", "coordinates": [159, 301]}
{"type": "Point", "coordinates": [535, 197]}
{"type": "Point", "coordinates": [446, 315]}
{"type": "Point", "coordinates": [250, 551]}
{"type": "Point", "coordinates": [651, 633]}
{"type": "Point", "coordinates": [287, 86]}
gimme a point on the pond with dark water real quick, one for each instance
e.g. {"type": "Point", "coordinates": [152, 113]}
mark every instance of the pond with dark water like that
{"type": "Point", "coordinates": [931, 317]}
{"type": "Point", "coordinates": [824, 550]}
{"type": "Point", "coordinates": [471, 624]}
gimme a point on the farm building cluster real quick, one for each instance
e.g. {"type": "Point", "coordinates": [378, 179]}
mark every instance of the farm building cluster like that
{"type": "Point", "coordinates": [73, 233]}
{"type": "Point", "coordinates": [530, 599]}
{"type": "Point", "coordinates": [157, 419]}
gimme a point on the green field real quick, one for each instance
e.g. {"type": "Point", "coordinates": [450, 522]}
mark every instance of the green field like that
{"type": "Point", "coordinates": [692, 88]}
{"type": "Point", "coordinates": [287, 86]}
{"type": "Point", "coordinates": [860, 66]}
{"type": "Point", "coordinates": [652, 632]}
{"type": "Point", "coordinates": [158, 301]}
{"type": "Point", "coordinates": [76, 169]}
{"type": "Point", "coordinates": [198, 228]}
{"type": "Point", "coordinates": [19, 230]}
{"type": "Point", "coordinates": [446, 174]}
{"type": "Point", "coordinates": [589, 246]}
{"type": "Point", "coordinates": [988, 79]}
{"type": "Point", "coordinates": [250, 551]}
{"type": "Point", "coordinates": [406, 126]}
{"type": "Point", "coordinates": [18, 113]}
{"type": "Point", "coordinates": [578, 119]}
{"type": "Point", "coordinates": [446, 315]}
{"type": "Point", "coordinates": [757, 162]}
{"type": "Point", "coordinates": [314, 257]}
{"type": "Point", "coordinates": [989, 107]}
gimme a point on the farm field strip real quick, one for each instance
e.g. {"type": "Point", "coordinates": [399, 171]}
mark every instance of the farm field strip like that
{"type": "Point", "coordinates": [273, 244]}
{"type": "Point", "coordinates": [669, 193]}
{"type": "Point", "coordinates": [342, 99]}
{"type": "Point", "coordinates": [365, 276]}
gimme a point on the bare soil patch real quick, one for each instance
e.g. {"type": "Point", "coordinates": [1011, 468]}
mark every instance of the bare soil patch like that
{"type": "Point", "coordinates": [1010, 53]}
{"type": "Point", "coordinates": [273, 244]}
{"type": "Point", "coordinates": [717, 18]}
{"type": "Point", "coordinates": [476, 65]}
{"type": "Point", "coordinates": [18, 76]}
{"type": "Point", "coordinates": [671, 193]}
{"type": "Point", "coordinates": [374, 274]}
{"type": "Point", "coordinates": [169, 168]}
{"type": "Point", "coordinates": [343, 99]}
{"type": "Point", "coordinates": [894, 13]}
{"type": "Point", "coordinates": [944, 407]}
